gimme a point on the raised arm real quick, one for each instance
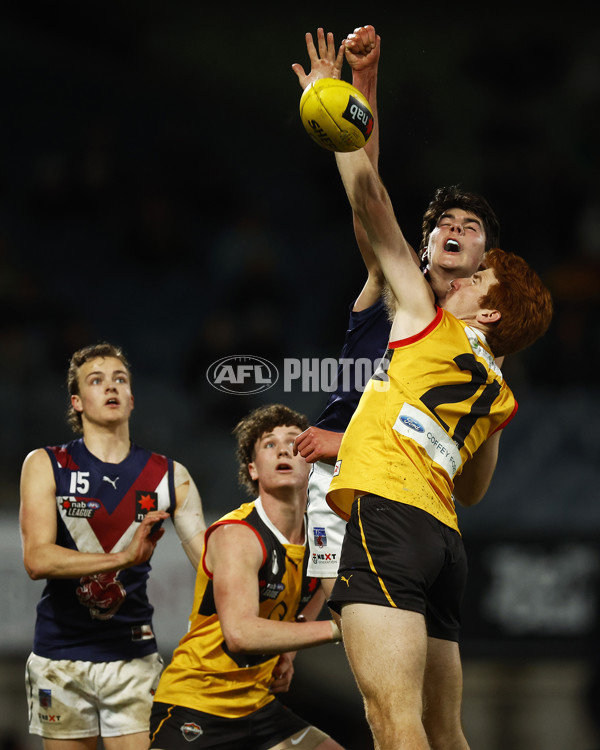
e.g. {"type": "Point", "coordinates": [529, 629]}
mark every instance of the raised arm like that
{"type": "Point", "coordinates": [370, 201]}
{"type": "Point", "coordinates": [235, 555]}
{"type": "Point", "coordinates": [362, 51]}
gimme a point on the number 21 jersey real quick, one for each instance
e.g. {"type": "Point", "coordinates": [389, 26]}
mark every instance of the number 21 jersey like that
{"type": "Point", "coordinates": [436, 398]}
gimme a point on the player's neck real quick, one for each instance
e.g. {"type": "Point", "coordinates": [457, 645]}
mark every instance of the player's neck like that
{"type": "Point", "coordinates": [111, 445]}
{"type": "Point", "coordinates": [285, 507]}
{"type": "Point", "coordinates": [440, 283]}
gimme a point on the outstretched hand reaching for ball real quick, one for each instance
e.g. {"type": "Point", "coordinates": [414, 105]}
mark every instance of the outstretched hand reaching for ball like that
{"type": "Point", "coordinates": [362, 48]}
{"type": "Point", "coordinates": [325, 63]}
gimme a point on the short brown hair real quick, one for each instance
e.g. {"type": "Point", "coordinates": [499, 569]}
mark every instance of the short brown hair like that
{"type": "Point", "coordinates": [454, 196]}
{"type": "Point", "coordinates": [248, 430]}
{"type": "Point", "coordinates": [524, 303]}
{"type": "Point", "coordinates": [79, 358]}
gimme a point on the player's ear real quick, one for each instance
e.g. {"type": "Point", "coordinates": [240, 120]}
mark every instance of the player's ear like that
{"type": "Point", "coordinates": [252, 471]}
{"type": "Point", "coordinates": [488, 316]}
{"type": "Point", "coordinates": [76, 402]}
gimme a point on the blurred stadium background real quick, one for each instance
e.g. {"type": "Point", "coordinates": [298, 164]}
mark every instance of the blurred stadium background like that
{"type": "Point", "coordinates": [157, 190]}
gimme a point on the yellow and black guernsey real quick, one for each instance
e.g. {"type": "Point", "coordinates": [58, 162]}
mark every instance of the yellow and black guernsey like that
{"type": "Point", "coordinates": [203, 675]}
{"type": "Point", "coordinates": [433, 401]}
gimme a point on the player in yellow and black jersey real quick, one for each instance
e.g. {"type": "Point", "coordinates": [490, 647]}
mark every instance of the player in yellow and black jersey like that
{"type": "Point", "coordinates": [253, 603]}
{"type": "Point", "coordinates": [425, 433]}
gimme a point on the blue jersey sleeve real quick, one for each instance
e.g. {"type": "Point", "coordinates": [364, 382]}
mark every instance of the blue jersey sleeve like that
{"type": "Point", "coordinates": [365, 343]}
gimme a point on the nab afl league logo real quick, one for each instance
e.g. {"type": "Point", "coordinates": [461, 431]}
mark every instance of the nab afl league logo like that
{"type": "Point", "coordinates": [242, 375]}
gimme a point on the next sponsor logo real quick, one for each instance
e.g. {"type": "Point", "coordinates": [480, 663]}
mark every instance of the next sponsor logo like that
{"type": "Point", "coordinates": [324, 557]}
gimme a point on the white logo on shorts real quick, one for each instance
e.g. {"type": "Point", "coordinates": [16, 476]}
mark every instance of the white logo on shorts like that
{"type": "Point", "coordinates": [191, 731]}
{"type": "Point", "coordinates": [297, 740]}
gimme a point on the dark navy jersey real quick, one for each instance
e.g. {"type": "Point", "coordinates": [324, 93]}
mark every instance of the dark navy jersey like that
{"type": "Point", "coordinates": [106, 616]}
{"type": "Point", "coordinates": [364, 345]}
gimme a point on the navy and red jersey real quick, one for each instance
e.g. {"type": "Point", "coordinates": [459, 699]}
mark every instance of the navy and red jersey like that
{"type": "Point", "coordinates": [106, 616]}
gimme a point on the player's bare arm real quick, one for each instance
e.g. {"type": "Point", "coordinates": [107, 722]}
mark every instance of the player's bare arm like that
{"type": "Point", "coordinates": [363, 59]}
{"type": "Point", "coordinates": [317, 444]}
{"type": "Point", "coordinates": [42, 557]}
{"type": "Point", "coordinates": [414, 300]}
{"type": "Point", "coordinates": [362, 50]}
{"type": "Point", "coordinates": [473, 482]}
{"type": "Point", "coordinates": [234, 556]}
{"type": "Point", "coordinates": [188, 517]}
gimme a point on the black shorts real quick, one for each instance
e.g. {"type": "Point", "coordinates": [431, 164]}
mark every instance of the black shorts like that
{"type": "Point", "coordinates": [396, 555]}
{"type": "Point", "coordinates": [179, 728]}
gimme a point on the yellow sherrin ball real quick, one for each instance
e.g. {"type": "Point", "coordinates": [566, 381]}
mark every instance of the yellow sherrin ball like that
{"type": "Point", "coordinates": [336, 115]}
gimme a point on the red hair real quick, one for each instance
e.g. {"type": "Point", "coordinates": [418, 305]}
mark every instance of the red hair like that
{"type": "Point", "coordinates": [521, 298]}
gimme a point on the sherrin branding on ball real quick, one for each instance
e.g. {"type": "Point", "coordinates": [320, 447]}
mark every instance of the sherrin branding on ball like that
{"type": "Point", "coordinates": [336, 115]}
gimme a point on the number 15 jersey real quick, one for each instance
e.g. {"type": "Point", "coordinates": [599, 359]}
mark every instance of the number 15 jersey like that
{"type": "Point", "coordinates": [435, 399]}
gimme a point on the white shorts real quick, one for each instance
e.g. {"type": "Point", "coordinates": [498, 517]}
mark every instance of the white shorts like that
{"type": "Point", "coordinates": [325, 528]}
{"type": "Point", "coordinates": [77, 699]}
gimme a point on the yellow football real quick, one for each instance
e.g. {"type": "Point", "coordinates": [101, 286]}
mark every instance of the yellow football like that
{"type": "Point", "coordinates": [336, 115]}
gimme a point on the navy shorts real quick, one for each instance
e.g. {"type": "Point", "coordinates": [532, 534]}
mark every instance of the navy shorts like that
{"type": "Point", "coordinates": [175, 727]}
{"type": "Point", "coordinates": [396, 555]}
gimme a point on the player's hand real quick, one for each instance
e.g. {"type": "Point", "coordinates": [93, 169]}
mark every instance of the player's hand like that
{"type": "Point", "coordinates": [283, 673]}
{"type": "Point", "coordinates": [324, 63]}
{"type": "Point", "coordinates": [145, 538]}
{"type": "Point", "coordinates": [316, 444]}
{"type": "Point", "coordinates": [362, 48]}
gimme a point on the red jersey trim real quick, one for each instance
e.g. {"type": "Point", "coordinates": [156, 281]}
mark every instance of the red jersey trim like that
{"type": "Point", "coordinates": [225, 522]}
{"type": "Point", "coordinates": [427, 330]}
{"type": "Point", "coordinates": [63, 458]}
{"type": "Point", "coordinates": [509, 419]}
